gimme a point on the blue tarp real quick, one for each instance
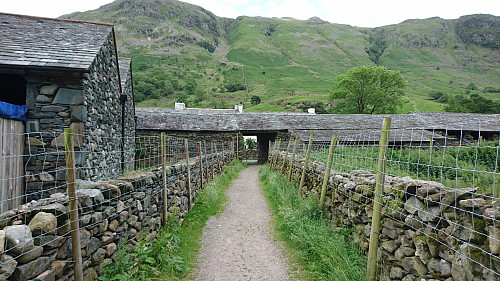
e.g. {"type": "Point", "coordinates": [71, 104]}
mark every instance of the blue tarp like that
{"type": "Point", "coordinates": [11, 111]}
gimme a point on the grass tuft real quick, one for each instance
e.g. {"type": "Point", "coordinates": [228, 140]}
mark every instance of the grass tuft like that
{"type": "Point", "coordinates": [172, 254]}
{"type": "Point", "coordinates": [323, 252]}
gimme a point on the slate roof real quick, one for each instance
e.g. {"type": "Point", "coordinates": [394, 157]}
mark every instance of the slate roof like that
{"type": "Point", "coordinates": [414, 127]}
{"type": "Point", "coordinates": [396, 136]}
{"type": "Point", "coordinates": [460, 121]}
{"type": "Point", "coordinates": [33, 42]}
{"type": "Point", "coordinates": [228, 120]}
{"type": "Point", "coordinates": [210, 120]}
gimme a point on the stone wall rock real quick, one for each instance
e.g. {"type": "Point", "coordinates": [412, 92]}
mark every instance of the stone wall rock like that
{"type": "Point", "coordinates": [109, 211]}
{"type": "Point", "coordinates": [428, 232]}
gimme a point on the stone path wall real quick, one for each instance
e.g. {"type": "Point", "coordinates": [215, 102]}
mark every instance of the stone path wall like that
{"type": "Point", "coordinates": [35, 241]}
{"type": "Point", "coordinates": [427, 230]}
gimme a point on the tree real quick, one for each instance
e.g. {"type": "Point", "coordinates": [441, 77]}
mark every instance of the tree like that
{"type": "Point", "coordinates": [250, 143]}
{"type": "Point", "coordinates": [474, 104]}
{"type": "Point", "coordinates": [255, 100]}
{"type": "Point", "coordinates": [368, 89]}
{"type": "Point", "coordinates": [471, 86]}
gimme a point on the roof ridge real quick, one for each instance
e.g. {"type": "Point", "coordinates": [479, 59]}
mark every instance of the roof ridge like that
{"type": "Point", "coordinates": [58, 19]}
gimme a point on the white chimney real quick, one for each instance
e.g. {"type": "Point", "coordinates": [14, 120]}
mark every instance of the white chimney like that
{"type": "Point", "coordinates": [311, 110]}
{"type": "Point", "coordinates": [180, 106]}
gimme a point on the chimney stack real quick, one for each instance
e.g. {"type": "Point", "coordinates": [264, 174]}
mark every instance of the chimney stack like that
{"type": "Point", "coordinates": [180, 106]}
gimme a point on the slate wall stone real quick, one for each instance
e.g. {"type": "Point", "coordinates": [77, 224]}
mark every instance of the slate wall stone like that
{"type": "Point", "coordinates": [104, 117]}
{"type": "Point", "coordinates": [428, 232]}
{"type": "Point", "coordinates": [109, 212]}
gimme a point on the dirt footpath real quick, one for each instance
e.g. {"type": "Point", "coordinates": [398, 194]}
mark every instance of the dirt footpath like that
{"type": "Point", "coordinates": [239, 245]}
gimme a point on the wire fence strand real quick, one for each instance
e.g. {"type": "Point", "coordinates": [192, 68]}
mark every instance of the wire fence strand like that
{"type": "Point", "coordinates": [440, 205]}
{"type": "Point", "coordinates": [117, 198]}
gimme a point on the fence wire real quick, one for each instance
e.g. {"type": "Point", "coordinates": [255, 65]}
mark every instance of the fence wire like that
{"type": "Point", "coordinates": [119, 191]}
{"type": "Point", "coordinates": [440, 186]}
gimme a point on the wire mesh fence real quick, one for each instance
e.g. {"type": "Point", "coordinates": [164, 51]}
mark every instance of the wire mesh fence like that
{"type": "Point", "coordinates": [440, 206]}
{"type": "Point", "coordinates": [122, 194]}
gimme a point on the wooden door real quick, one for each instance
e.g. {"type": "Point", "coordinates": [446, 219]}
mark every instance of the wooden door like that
{"type": "Point", "coordinates": [11, 164]}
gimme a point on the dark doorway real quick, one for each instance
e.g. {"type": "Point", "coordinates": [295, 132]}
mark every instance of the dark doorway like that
{"type": "Point", "coordinates": [263, 146]}
{"type": "Point", "coordinates": [13, 89]}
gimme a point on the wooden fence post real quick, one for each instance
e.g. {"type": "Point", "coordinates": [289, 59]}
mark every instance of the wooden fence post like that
{"type": "Point", "coordinates": [271, 150]}
{"type": "Point", "coordinates": [212, 159]}
{"type": "Point", "coordinates": [201, 165]}
{"type": "Point", "coordinates": [186, 152]}
{"type": "Point", "coordinates": [207, 163]}
{"type": "Point", "coordinates": [377, 201]}
{"type": "Point", "coordinates": [232, 148]}
{"type": "Point", "coordinates": [217, 163]}
{"type": "Point", "coordinates": [164, 177]}
{"type": "Point", "coordinates": [289, 177]}
{"type": "Point", "coordinates": [308, 152]}
{"type": "Point", "coordinates": [277, 154]}
{"type": "Point", "coordinates": [223, 154]}
{"type": "Point", "coordinates": [284, 159]}
{"type": "Point", "coordinates": [327, 171]}
{"type": "Point", "coordinates": [73, 204]}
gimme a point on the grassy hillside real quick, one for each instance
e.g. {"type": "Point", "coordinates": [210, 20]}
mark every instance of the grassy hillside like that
{"type": "Point", "coordinates": [182, 52]}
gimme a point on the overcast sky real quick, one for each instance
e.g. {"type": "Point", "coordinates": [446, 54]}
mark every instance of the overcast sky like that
{"type": "Point", "coordinates": [362, 13]}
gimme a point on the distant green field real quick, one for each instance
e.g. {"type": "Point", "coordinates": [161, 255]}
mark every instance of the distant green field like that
{"type": "Point", "coordinates": [181, 52]}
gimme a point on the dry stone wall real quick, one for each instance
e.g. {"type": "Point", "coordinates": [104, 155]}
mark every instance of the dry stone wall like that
{"type": "Point", "coordinates": [35, 240]}
{"type": "Point", "coordinates": [428, 232]}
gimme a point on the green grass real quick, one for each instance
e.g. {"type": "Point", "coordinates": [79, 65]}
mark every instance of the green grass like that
{"type": "Point", "coordinates": [209, 203]}
{"type": "Point", "coordinates": [418, 104]}
{"type": "Point", "coordinates": [285, 57]}
{"type": "Point", "coordinates": [266, 107]}
{"type": "Point", "coordinates": [321, 252]}
{"type": "Point", "coordinates": [172, 254]}
{"type": "Point", "coordinates": [460, 167]}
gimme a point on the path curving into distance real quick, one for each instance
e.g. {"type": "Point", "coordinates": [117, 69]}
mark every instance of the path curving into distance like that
{"type": "Point", "coordinates": [239, 244]}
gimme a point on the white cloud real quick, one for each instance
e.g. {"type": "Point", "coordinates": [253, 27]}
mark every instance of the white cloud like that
{"type": "Point", "coordinates": [384, 12]}
{"type": "Point", "coordinates": [296, 9]}
{"type": "Point", "coordinates": [368, 13]}
{"type": "Point", "coordinates": [49, 8]}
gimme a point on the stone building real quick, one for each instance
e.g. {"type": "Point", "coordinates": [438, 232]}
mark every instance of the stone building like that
{"type": "Point", "coordinates": [415, 128]}
{"type": "Point", "coordinates": [68, 74]}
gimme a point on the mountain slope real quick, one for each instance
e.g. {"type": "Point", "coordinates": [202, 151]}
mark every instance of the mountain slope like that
{"type": "Point", "coordinates": [184, 52]}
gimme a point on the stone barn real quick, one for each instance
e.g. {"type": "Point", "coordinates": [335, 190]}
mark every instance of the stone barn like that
{"type": "Point", "coordinates": [416, 128]}
{"type": "Point", "coordinates": [69, 75]}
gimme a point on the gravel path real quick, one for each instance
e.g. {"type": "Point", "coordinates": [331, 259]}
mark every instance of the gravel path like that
{"type": "Point", "coordinates": [239, 245]}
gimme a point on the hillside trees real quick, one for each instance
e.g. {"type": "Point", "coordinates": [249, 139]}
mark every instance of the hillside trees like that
{"type": "Point", "coordinates": [255, 100]}
{"type": "Point", "coordinates": [368, 90]}
{"type": "Point", "coordinates": [378, 45]}
{"type": "Point", "coordinates": [473, 104]}
{"type": "Point", "coordinates": [250, 143]}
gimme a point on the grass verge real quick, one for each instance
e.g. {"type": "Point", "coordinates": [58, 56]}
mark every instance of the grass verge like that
{"type": "Point", "coordinates": [172, 254]}
{"type": "Point", "coordinates": [210, 202]}
{"type": "Point", "coordinates": [322, 252]}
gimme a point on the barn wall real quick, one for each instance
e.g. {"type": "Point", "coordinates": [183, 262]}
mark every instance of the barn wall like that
{"type": "Point", "coordinates": [104, 118]}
